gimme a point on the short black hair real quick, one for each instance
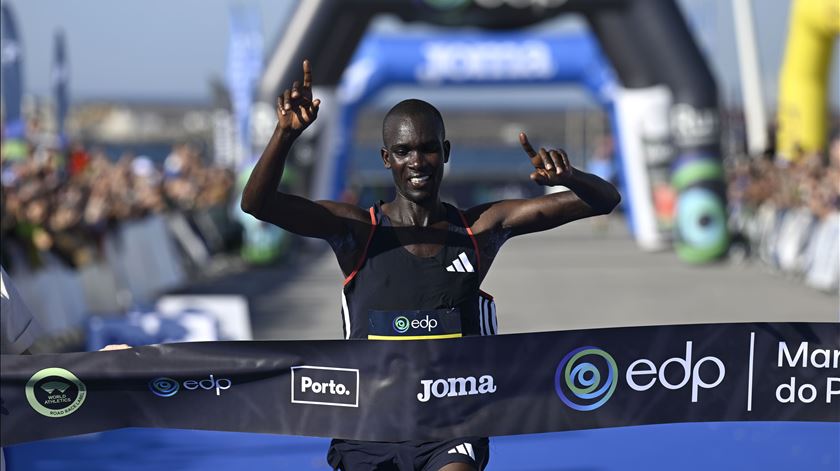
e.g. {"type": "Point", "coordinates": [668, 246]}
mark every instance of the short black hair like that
{"type": "Point", "coordinates": [412, 108]}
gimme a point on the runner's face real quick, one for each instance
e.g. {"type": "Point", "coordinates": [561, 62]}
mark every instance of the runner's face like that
{"type": "Point", "coordinates": [416, 152]}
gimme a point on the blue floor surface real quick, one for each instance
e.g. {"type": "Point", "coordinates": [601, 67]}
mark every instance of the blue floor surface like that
{"type": "Point", "coordinates": [765, 446]}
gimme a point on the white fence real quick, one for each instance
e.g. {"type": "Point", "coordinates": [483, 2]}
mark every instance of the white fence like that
{"type": "Point", "coordinates": [795, 242]}
{"type": "Point", "coordinates": [140, 261]}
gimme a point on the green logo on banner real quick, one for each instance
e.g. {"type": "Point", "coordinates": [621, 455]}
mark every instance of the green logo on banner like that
{"type": "Point", "coordinates": [55, 392]}
{"type": "Point", "coordinates": [588, 389]}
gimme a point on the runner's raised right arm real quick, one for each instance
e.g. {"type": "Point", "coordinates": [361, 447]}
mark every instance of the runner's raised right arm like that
{"type": "Point", "coordinates": [330, 220]}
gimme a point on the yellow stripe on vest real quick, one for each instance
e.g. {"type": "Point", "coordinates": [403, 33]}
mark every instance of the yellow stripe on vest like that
{"type": "Point", "coordinates": [414, 337]}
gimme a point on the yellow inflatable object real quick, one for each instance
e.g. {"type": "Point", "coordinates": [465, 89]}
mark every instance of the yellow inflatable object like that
{"type": "Point", "coordinates": [803, 85]}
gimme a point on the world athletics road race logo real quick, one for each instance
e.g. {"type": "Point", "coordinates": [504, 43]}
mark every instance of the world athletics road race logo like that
{"type": "Point", "coordinates": [55, 392]}
{"type": "Point", "coordinates": [578, 379]}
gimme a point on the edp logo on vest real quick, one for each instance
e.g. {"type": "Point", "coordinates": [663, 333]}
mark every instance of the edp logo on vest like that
{"type": "Point", "coordinates": [325, 386]}
{"type": "Point", "coordinates": [399, 325]}
{"type": "Point", "coordinates": [402, 324]}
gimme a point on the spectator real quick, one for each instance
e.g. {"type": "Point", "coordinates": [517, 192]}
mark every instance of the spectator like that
{"type": "Point", "coordinates": [47, 211]}
{"type": "Point", "coordinates": [18, 328]}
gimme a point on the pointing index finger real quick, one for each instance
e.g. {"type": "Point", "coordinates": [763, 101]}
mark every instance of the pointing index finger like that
{"type": "Point", "coordinates": [307, 74]}
{"type": "Point", "coordinates": [523, 139]}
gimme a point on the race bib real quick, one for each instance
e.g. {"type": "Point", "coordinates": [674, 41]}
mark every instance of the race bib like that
{"type": "Point", "coordinates": [428, 324]}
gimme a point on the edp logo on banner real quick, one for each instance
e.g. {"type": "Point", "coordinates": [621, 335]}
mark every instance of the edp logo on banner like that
{"type": "Point", "coordinates": [586, 377]}
{"type": "Point", "coordinates": [325, 386]}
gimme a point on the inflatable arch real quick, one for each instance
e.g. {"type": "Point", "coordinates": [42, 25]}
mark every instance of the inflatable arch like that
{"type": "Point", "coordinates": [666, 108]}
{"type": "Point", "coordinates": [463, 59]}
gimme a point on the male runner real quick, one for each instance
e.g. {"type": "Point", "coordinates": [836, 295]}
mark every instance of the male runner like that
{"type": "Point", "coordinates": [414, 253]}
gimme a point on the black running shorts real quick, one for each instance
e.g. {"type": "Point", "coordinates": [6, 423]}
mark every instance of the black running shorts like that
{"type": "Point", "coordinates": [348, 455]}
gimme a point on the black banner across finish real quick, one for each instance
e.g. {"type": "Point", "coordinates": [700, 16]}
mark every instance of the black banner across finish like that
{"type": "Point", "coordinates": [425, 390]}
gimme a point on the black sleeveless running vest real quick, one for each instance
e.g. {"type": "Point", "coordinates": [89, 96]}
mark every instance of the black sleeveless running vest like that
{"type": "Point", "coordinates": [388, 277]}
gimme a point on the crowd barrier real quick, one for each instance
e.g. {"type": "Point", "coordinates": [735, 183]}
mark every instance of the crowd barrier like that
{"type": "Point", "coordinates": [152, 327]}
{"type": "Point", "coordinates": [140, 260]}
{"type": "Point", "coordinates": [55, 295]}
{"type": "Point", "coordinates": [795, 242]}
{"type": "Point", "coordinates": [174, 318]}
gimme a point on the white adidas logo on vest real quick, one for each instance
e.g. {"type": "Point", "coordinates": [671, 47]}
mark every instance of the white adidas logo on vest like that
{"type": "Point", "coordinates": [461, 264]}
{"type": "Point", "coordinates": [465, 448]}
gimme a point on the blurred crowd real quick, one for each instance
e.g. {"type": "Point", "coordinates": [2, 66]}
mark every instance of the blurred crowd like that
{"type": "Point", "coordinates": [812, 181]}
{"type": "Point", "coordinates": [788, 214]}
{"type": "Point", "coordinates": [61, 206]}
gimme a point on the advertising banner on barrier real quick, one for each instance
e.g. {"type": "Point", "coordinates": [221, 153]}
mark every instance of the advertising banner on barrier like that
{"type": "Point", "coordinates": [434, 389]}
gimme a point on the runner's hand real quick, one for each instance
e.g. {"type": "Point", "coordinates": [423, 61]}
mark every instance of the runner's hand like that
{"type": "Point", "coordinates": [551, 167]}
{"type": "Point", "coordinates": [117, 346]}
{"type": "Point", "coordinates": [296, 109]}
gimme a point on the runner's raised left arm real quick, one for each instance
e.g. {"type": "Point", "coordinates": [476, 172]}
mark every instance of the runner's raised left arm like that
{"type": "Point", "coordinates": [589, 196]}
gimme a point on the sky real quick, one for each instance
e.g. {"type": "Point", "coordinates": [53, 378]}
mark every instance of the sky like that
{"type": "Point", "coordinates": [169, 50]}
